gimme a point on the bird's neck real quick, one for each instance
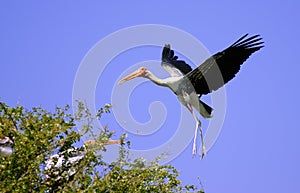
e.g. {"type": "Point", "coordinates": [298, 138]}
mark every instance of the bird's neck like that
{"type": "Point", "coordinates": [155, 79]}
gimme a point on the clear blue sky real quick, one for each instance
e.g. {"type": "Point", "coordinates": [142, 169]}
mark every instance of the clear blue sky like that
{"type": "Point", "coordinates": [43, 43]}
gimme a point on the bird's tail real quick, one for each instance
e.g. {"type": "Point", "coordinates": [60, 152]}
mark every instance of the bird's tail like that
{"type": "Point", "coordinates": [206, 110]}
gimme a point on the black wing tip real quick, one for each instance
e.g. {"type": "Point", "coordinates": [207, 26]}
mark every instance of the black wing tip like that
{"type": "Point", "coordinates": [253, 42]}
{"type": "Point", "coordinates": [168, 56]}
{"type": "Point", "coordinates": [166, 51]}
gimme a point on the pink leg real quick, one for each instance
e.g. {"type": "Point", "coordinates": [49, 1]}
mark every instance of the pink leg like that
{"type": "Point", "coordinates": [198, 124]}
{"type": "Point", "coordinates": [202, 141]}
{"type": "Point", "coordinates": [194, 151]}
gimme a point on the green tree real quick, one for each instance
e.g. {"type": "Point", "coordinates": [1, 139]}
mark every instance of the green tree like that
{"type": "Point", "coordinates": [38, 134]}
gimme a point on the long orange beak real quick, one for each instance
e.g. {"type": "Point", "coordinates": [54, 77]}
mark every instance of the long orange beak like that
{"type": "Point", "coordinates": [133, 75]}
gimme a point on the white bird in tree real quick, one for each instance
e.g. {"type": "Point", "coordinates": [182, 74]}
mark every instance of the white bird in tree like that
{"type": "Point", "coordinates": [56, 164]}
{"type": "Point", "coordinates": [189, 85]}
{"type": "Point", "coordinates": [6, 147]}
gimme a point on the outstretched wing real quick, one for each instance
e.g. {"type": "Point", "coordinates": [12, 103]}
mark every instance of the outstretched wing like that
{"type": "Point", "coordinates": [220, 68]}
{"type": "Point", "coordinates": [171, 63]}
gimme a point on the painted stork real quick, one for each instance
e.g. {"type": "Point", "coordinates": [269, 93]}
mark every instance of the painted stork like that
{"type": "Point", "coordinates": [189, 85]}
{"type": "Point", "coordinates": [6, 147]}
{"type": "Point", "coordinates": [68, 159]}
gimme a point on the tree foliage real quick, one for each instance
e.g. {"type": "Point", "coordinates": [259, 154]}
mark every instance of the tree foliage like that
{"type": "Point", "coordinates": [38, 134]}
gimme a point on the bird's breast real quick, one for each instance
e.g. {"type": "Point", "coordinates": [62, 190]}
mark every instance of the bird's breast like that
{"type": "Point", "coordinates": [174, 83]}
{"type": "Point", "coordinates": [6, 151]}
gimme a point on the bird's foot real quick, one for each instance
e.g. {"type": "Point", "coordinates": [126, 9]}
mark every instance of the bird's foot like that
{"type": "Point", "coordinates": [203, 152]}
{"type": "Point", "coordinates": [194, 150]}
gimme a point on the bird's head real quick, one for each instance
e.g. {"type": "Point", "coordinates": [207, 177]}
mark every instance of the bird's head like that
{"type": "Point", "coordinates": [141, 72]}
{"type": "Point", "coordinates": [5, 141]}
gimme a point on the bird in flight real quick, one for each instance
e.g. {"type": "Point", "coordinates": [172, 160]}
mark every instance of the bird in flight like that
{"type": "Point", "coordinates": [189, 85]}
